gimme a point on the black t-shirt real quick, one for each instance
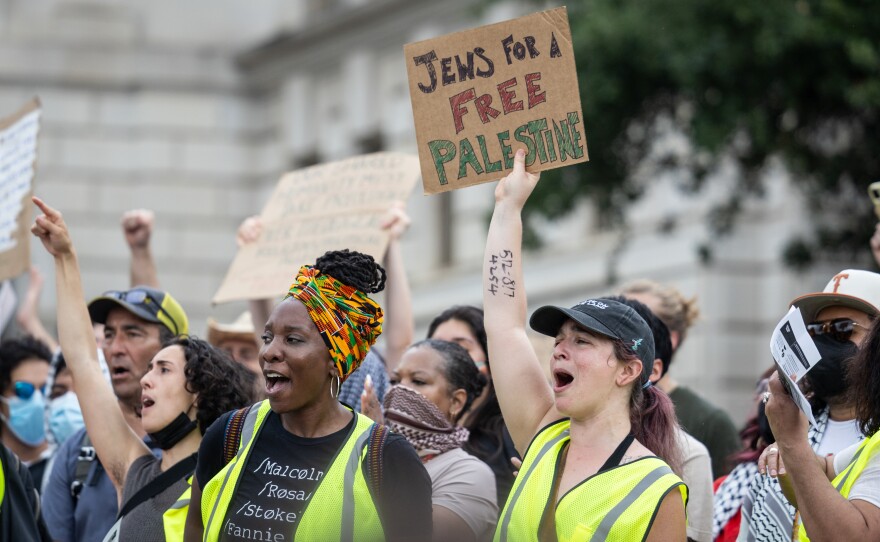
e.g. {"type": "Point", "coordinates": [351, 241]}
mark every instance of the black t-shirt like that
{"type": "Point", "coordinates": [284, 470]}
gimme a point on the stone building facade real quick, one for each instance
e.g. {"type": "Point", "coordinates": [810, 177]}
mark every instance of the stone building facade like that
{"type": "Point", "coordinates": [195, 109]}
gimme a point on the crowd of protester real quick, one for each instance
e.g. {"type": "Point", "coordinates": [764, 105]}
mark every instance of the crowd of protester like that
{"type": "Point", "coordinates": [288, 424]}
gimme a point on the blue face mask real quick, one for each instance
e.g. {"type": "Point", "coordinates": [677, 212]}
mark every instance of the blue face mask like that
{"type": "Point", "coordinates": [65, 416]}
{"type": "Point", "coordinates": [26, 418]}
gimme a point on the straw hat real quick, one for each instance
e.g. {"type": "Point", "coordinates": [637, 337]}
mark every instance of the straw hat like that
{"type": "Point", "coordinates": [242, 329]}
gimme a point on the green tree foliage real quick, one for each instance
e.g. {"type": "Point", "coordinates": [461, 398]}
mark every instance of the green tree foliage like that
{"type": "Point", "coordinates": [750, 80]}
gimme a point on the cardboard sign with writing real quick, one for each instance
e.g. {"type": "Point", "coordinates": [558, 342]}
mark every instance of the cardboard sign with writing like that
{"type": "Point", "coordinates": [480, 94]}
{"type": "Point", "coordinates": [313, 210]}
{"type": "Point", "coordinates": [18, 157]}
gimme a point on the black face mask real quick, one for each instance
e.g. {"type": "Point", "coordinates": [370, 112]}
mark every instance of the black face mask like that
{"type": "Point", "coordinates": [174, 432]}
{"type": "Point", "coordinates": [828, 378]}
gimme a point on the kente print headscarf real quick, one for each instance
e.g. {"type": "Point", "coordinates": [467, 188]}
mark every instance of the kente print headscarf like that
{"type": "Point", "coordinates": [411, 414]}
{"type": "Point", "coordinates": [348, 320]}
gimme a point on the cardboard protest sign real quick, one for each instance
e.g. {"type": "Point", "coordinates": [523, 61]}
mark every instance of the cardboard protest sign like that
{"type": "Point", "coordinates": [480, 94]}
{"type": "Point", "coordinates": [18, 156]}
{"type": "Point", "coordinates": [326, 207]}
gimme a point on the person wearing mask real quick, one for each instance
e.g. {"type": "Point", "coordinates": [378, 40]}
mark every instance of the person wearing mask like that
{"type": "Point", "coordinates": [598, 442]}
{"type": "Point", "coordinates": [24, 371]}
{"type": "Point", "coordinates": [188, 384]}
{"type": "Point", "coordinates": [488, 438]}
{"type": "Point", "coordinates": [837, 495]}
{"type": "Point", "coordinates": [433, 387]}
{"type": "Point", "coordinates": [838, 319]}
{"type": "Point", "coordinates": [697, 416]}
{"type": "Point", "coordinates": [305, 466]}
{"type": "Point", "coordinates": [63, 416]}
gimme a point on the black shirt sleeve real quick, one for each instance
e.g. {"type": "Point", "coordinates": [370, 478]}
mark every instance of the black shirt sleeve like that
{"type": "Point", "coordinates": [405, 499]}
{"type": "Point", "coordinates": [211, 451]}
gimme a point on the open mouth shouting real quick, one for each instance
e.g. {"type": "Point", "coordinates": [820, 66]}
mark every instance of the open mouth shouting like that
{"type": "Point", "coordinates": [146, 402]}
{"type": "Point", "coordinates": [275, 382]}
{"type": "Point", "coordinates": [562, 380]}
{"type": "Point", "coordinates": [119, 372]}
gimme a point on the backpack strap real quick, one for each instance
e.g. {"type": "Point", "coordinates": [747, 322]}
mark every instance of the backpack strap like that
{"type": "Point", "coordinates": [232, 434]}
{"type": "Point", "coordinates": [181, 470]}
{"type": "Point", "coordinates": [375, 457]}
{"type": "Point", "coordinates": [84, 462]}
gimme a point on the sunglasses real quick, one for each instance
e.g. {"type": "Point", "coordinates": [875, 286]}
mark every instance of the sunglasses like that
{"type": "Point", "coordinates": [840, 329]}
{"type": "Point", "coordinates": [25, 390]}
{"type": "Point", "coordinates": [144, 300]}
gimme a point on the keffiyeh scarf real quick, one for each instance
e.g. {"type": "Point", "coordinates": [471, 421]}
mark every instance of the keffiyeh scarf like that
{"type": "Point", "coordinates": [420, 422]}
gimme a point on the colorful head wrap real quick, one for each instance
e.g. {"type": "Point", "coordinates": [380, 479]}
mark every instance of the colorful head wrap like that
{"type": "Point", "coordinates": [348, 320]}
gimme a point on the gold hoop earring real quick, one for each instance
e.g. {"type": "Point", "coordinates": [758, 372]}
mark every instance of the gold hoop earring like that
{"type": "Point", "coordinates": [338, 387]}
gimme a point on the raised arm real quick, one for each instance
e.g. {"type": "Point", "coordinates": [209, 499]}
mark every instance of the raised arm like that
{"type": "Point", "coordinates": [525, 396]}
{"type": "Point", "coordinates": [248, 232]}
{"type": "Point", "coordinates": [28, 315]}
{"type": "Point", "coordinates": [137, 226]}
{"type": "Point", "coordinates": [116, 444]}
{"type": "Point", "coordinates": [399, 329]}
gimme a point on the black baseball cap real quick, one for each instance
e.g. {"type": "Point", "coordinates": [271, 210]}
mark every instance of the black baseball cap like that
{"type": "Point", "coordinates": [606, 317]}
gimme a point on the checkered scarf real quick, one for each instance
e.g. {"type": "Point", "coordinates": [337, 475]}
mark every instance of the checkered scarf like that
{"type": "Point", "coordinates": [411, 414]}
{"type": "Point", "coordinates": [349, 321]}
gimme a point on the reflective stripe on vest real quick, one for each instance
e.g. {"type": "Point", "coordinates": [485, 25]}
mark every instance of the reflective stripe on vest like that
{"type": "Point", "coordinates": [174, 519]}
{"type": "Point", "coordinates": [617, 504]}
{"type": "Point", "coordinates": [341, 495]}
{"type": "Point", "coordinates": [844, 481]}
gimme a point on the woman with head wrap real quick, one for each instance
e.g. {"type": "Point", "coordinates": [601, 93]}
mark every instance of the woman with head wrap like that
{"type": "Point", "coordinates": [436, 383]}
{"type": "Point", "coordinates": [301, 465]}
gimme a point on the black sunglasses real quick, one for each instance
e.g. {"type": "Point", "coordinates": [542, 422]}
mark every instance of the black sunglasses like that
{"type": "Point", "coordinates": [840, 329]}
{"type": "Point", "coordinates": [145, 300]}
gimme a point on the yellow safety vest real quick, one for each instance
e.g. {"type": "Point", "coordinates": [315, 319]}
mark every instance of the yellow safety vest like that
{"type": "Point", "coordinates": [174, 519]}
{"type": "Point", "coordinates": [844, 481]}
{"type": "Point", "coordinates": [342, 495]}
{"type": "Point", "coordinates": [2, 482]}
{"type": "Point", "coordinates": [617, 504]}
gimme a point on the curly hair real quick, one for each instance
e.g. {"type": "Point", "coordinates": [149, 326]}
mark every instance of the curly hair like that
{"type": "Point", "coordinates": [354, 269]}
{"type": "Point", "coordinates": [221, 383]}
{"type": "Point", "coordinates": [15, 351]}
{"type": "Point", "coordinates": [458, 368]}
{"type": "Point", "coordinates": [863, 377]}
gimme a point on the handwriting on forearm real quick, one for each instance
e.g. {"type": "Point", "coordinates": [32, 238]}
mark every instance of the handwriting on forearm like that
{"type": "Point", "coordinates": [500, 270]}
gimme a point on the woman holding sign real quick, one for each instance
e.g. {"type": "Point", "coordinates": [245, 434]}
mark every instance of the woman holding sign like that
{"type": "Point", "coordinates": [591, 441]}
{"type": "Point", "coordinates": [188, 384]}
{"type": "Point", "coordinates": [301, 465]}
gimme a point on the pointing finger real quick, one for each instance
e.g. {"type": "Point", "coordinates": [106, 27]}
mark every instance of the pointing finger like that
{"type": "Point", "coordinates": [48, 211]}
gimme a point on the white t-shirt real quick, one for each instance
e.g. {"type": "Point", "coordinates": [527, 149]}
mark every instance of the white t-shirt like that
{"type": "Point", "coordinates": [837, 436]}
{"type": "Point", "coordinates": [465, 485]}
{"type": "Point", "coordinates": [696, 473]}
{"type": "Point", "coordinates": [867, 485]}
